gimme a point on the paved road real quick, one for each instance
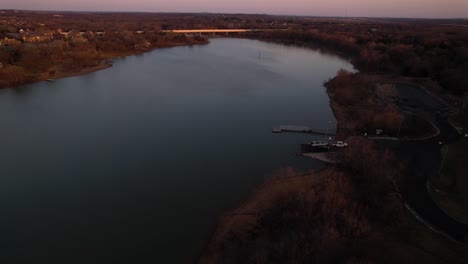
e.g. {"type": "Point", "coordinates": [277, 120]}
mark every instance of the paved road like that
{"type": "Point", "coordinates": [424, 161]}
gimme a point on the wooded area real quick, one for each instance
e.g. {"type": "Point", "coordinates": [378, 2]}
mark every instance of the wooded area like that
{"type": "Point", "coordinates": [417, 48]}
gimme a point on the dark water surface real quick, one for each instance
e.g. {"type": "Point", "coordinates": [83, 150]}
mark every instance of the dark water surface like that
{"type": "Point", "coordinates": [136, 162]}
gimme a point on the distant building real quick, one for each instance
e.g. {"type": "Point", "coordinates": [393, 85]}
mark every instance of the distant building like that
{"type": "Point", "coordinates": [79, 39]}
{"type": "Point", "coordinates": [143, 46]}
{"type": "Point", "coordinates": [36, 38]}
{"type": "Point", "coordinates": [61, 32]}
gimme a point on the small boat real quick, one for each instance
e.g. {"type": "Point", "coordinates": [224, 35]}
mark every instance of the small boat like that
{"type": "Point", "coordinates": [318, 143]}
{"type": "Point", "coordinates": [277, 130]}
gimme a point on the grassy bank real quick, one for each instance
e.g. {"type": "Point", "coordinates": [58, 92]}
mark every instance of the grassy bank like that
{"type": "Point", "coordinates": [450, 188]}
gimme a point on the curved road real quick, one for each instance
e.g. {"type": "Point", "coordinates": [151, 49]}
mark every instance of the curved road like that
{"type": "Point", "coordinates": [424, 161]}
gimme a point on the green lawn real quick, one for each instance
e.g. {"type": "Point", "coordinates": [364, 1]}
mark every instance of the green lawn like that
{"type": "Point", "coordinates": [450, 188]}
{"type": "Point", "coordinates": [421, 245]}
{"type": "Point", "coordinates": [460, 120]}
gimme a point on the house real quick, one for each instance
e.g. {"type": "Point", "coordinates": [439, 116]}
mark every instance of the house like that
{"type": "Point", "coordinates": [77, 37]}
{"type": "Point", "coordinates": [143, 46]}
{"type": "Point", "coordinates": [63, 33]}
{"type": "Point", "coordinates": [36, 38]}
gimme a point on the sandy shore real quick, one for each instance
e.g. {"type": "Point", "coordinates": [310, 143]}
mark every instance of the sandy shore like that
{"type": "Point", "coordinates": [60, 75]}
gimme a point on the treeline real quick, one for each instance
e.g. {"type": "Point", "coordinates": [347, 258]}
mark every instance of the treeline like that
{"type": "Point", "coordinates": [417, 50]}
{"type": "Point", "coordinates": [420, 48]}
{"type": "Point", "coordinates": [70, 41]}
{"type": "Point", "coordinates": [79, 21]}
{"type": "Point", "coordinates": [27, 62]}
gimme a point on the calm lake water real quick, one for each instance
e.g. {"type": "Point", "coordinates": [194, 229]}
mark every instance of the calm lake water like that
{"type": "Point", "coordinates": [138, 161]}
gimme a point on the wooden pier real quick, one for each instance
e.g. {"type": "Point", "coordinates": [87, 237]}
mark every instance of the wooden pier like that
{"type": "Point", "coordinates": [302, 129]}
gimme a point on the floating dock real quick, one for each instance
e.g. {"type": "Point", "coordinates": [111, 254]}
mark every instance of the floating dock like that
{"type": "Point", "coordinates": [302, 129]}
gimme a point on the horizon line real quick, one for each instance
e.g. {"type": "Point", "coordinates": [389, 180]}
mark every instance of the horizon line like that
{"type": "Point", "coordinates": [230, 13]}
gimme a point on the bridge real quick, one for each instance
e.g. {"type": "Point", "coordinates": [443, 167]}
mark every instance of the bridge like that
{"type": "Point", "coordinates": [213, 31]}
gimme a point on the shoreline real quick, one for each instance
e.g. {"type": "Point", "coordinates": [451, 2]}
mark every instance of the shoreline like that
{"type": "Point", "coordinates": [81, 72]}
{"type": "Point", "coordinates": [239, 227]}
{"type": "Point", "coordinates": [106, 62]}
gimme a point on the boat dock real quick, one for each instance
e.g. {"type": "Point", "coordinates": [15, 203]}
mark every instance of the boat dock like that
{"type": "Point", "coordinates": [302, 129]}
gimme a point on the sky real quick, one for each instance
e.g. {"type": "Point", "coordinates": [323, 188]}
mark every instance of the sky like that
{"type": "Point", "coordinates": [367, 8]}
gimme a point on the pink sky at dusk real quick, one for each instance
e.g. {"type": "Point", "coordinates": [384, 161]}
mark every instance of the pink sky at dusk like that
{"type": "Point", "coordinates": [374, 8]}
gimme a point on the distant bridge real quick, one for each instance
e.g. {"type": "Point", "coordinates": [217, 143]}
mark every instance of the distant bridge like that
{"type": "Point", "coordinates": [213, 31]}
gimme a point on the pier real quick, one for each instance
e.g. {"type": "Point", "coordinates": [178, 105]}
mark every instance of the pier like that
{"type": "Point", "coordinates": [302, 129]}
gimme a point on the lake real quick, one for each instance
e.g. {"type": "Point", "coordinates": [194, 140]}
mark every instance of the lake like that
{"type": "Point", "coordinates": [135, 163]}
